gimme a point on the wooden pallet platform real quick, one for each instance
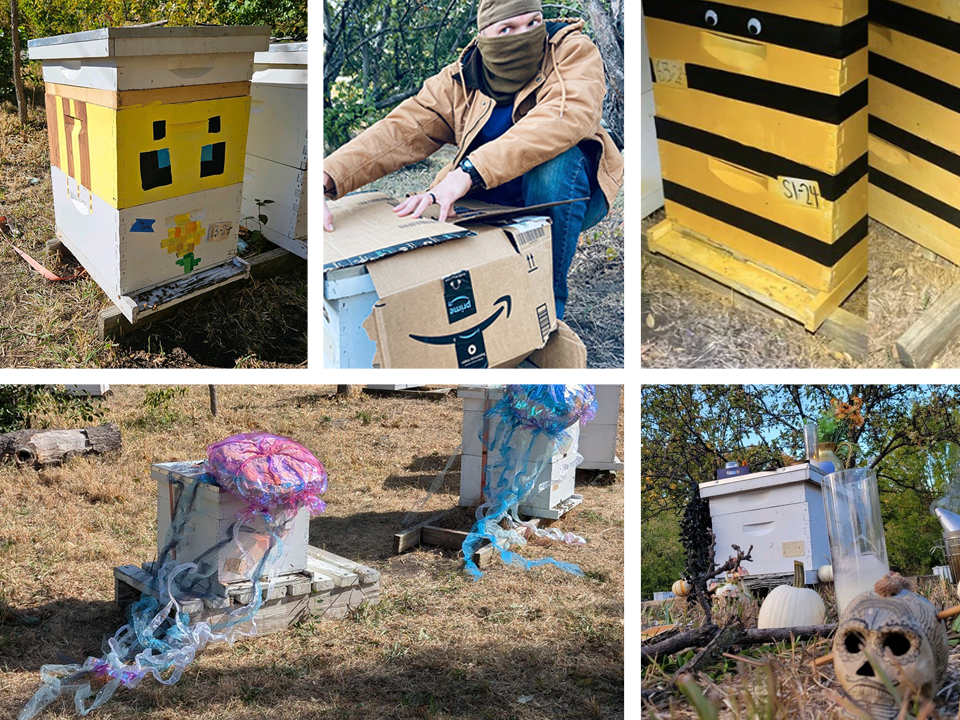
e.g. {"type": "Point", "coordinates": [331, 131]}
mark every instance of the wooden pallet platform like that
{"type": "Point", "coordinates": [428, 533]}
{"type": "Point", "coordinates": [839, 328]}
{"type": "Point", "coordinates": [330, 588]}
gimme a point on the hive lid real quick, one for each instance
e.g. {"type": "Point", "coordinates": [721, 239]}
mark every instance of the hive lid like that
{"type": "Point", "coordinates": [139, 40]}
{"type": "Point", "coordinates": [283, 54]}
{"type": "Point", "coordinates": [803, 472]}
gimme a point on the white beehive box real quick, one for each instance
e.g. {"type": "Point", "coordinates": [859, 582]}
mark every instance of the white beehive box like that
{"type": "Point", "coordinates": [147, 130]}
{"type": "Point", "coordinates": [557, 477]}
{"type": "Point", "coordinates": [212, 524]}
{"type": "Point", "coordinates": [276, 164]}
{"type": "Point", "coordinates": [598, 438]}
{"type": "Point", "coordinates": [779, 512]}
{"type": "Point", "coordinates": [348, 300]}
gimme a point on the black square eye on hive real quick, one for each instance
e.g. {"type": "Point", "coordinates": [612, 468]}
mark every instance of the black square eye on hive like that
{"type": "Point", "coordinates": [214, 124]}
{"type": "Point", "coordinates": [159, 129]}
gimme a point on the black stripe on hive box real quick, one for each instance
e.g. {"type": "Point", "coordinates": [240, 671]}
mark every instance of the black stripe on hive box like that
{"type": "Point", "coordinates": [836, 41]}
{"type": "Point", "coordinates": [757, 111]}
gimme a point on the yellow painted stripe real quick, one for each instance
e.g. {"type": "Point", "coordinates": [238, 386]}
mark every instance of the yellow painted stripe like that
{"type": "Point", "coordinates": [671, 41]}
{"type": "Point", "coordinates": [819, 145]}
{"type": "Point", "coordinates": [920, 226]}
{"type": "Point", "coordinates": [914, 171]}
{"type": "Point", "coordinates": [948, 9]}
{"type": "Point", "coordinates": [922, 56]}
{"type": "Point", "coordinates": [768, 254]}
{"type": "Point", "coordinates": [762, 195]}
{"type": "Point", "coordinates": [915, 114]}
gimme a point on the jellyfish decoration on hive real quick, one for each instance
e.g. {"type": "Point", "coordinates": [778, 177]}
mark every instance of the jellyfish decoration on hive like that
{"type": "Point", "coordinates": [275, 477]}
{"type": "Point", "coordinates": [526, 414]}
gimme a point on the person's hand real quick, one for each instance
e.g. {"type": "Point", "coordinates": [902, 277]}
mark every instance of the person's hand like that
{"type": "Point", "coordinates": [453, 187]}
{"type": "Point", "coordinates": [327, 215]}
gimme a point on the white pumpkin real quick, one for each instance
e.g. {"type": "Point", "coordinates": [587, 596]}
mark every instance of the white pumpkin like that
{"type": "Point", "coordinates": [825, 573]}
{"type": "Point", "coordinates": [681, 588]}
{"type": "Point", "coordinates": [791, 606]}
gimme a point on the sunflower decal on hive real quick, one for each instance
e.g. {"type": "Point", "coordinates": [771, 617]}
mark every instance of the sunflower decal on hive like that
{"type": "Point", "coordinates": [182, 239]}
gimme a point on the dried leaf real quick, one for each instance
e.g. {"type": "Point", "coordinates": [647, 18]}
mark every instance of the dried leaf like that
{"type": "Point", "coordinates": [650, 321]}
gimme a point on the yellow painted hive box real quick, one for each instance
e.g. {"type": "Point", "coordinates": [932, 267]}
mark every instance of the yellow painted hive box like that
{"type": "Point", "coordinates": [148, 130]}
{"type": "Point", "coordinates": [761, 116]}
{"type": "Point", "coordinates": [914, 121]}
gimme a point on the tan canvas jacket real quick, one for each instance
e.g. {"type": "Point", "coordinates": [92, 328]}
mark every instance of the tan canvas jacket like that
{"type": "Point", "coordinates": [561, 107]}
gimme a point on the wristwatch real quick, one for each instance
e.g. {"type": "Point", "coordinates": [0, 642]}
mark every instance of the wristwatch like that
{"type": "Point", "coordinates": [467, 166]}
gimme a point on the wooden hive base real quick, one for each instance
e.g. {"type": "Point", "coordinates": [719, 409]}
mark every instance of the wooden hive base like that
{"type": "Point", "coordinates": [330, 588]}
{"type": "Point", "coordinates": [803, 304]}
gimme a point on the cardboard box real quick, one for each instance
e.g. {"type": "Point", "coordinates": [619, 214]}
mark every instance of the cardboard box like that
{"type": "Point", "coordinates": [564, 349]}
{"type": "Point", "coordinates": [472, 294]}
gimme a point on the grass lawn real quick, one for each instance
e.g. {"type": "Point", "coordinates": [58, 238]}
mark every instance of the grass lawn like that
{"type": "Point", "coordinates": [514, 645]}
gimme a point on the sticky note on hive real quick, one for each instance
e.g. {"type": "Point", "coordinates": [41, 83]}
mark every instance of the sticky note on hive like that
{"type": "Point", "coordinates": [762, 129]}
{"type": "Point", "coordinates": [147, 130]}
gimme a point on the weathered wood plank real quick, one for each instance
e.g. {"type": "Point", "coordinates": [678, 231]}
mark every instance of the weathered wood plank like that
{"type": "Point", "coordinates": [841, 330]}
{"type": "Point", "coordinates": [410, 537]}
{"type": "Point", "coordinates": [932, 331]}
{"type": "Point", "coordinates": [366, 574]}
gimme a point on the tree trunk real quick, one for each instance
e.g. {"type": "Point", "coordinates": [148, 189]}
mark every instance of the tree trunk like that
{"type": "Point", "coordinates": [607, 28]}
{"type": "Point", "coordinates": [214, 404]}
{"type": "Point", "coordinates": [37, 448]}
{"type": "Point", "coordinates": [17, 76]}
{"type": "Point", "coordinates": [345, 390]}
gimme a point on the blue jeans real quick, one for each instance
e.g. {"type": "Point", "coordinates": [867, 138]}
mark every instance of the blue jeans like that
{"type": "Point", "coordinates": [568, 176]}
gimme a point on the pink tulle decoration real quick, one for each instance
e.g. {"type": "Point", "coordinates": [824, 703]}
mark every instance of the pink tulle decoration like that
{"type": "Point", "coordinates": [268, 471]}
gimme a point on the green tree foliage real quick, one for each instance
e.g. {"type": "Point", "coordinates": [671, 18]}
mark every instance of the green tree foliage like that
{"type": "Point", "coordinates": [30, 406]}
{"type": "Point", "coordinates": [377, 53]}
{"type": "Point", "coordinates": [661, 556]}
{"type": "Point", "coordinates": [910, 436]}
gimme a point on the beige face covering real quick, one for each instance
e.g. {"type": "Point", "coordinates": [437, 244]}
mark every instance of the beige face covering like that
{"type": "Point", "coordinates": [511, 61]}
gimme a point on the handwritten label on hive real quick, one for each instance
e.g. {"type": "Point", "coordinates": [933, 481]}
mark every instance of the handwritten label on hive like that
{"type": "Point", "coordinates": [220, 231]}
{"type": "Point", "coordinates": [233, 565]}
{"type": "Point", "coordinates": [670, 72]}
{"type": "Point", "coordinates": [143, 225]}
{"type": "Point", "coordinates": [800, 192]}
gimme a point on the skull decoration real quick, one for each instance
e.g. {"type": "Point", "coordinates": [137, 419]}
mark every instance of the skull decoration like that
{"type": "Point", "coordinates": [900, 631]}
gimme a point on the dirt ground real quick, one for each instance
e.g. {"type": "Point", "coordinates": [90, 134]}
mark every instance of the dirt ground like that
{"type": "Point", "coordinates": [908, 279]}
{"type": "Point", "coordinates": [54, 324]}
{"type": "Point", "coordinates": [512, 646]}
{"type": "Point", "coordinates": [686, 325]}
{"type": "Point", "coordinates": [595, 306]}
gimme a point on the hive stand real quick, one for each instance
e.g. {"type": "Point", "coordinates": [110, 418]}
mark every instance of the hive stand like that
{"type": "Point", "coordinates": [330, 588]}
{"type": "Point", "coordinates": [757, 289]}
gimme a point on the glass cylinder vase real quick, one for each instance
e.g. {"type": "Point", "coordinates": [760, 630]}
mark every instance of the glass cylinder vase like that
{"type": "Point", "coordinates": [858, 548]}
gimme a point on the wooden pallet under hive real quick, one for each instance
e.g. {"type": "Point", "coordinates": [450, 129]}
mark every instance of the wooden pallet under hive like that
{"type": "Point", "coordinates": [808, 306]}
{"type": "Point", "coordinates": [330, 588]}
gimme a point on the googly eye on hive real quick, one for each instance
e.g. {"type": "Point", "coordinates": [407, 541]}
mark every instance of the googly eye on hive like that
{"type": "Point", "coordinates": [761, 119]}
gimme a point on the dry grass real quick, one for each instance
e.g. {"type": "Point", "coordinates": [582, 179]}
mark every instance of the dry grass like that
{"type": "Point", "coordinates": [437, 646]}
{"type": "Point", "coordinates": [595, 306]}
{"type": "Point", "coordinates": [908, 279]}
{"type": "Point", "coordinates": [45, 324]}
{"type": "Point", "coordinates": [776, 681]}
{"type": "Point", "coordinates": [686, 325]}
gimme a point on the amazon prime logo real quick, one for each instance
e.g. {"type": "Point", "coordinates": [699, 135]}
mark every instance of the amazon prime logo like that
{"type": "Point", "coordinates": [471, 350]}
{"type": "Point", "coordinates": [458, 296]}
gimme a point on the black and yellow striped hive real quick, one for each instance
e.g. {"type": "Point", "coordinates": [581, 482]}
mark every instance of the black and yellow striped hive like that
{"type": "Point", "coordinates": [762, 127]}
{"type": "Point", "coordinates": [915, 120]}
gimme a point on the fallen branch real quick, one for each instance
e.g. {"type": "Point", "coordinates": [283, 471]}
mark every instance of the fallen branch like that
{"type": "Point", "coordinates": [721, 642]}
{"type": "Point", "coordinates": [705, 634]}
{"type": "Point", "coordinates": [38, 448]}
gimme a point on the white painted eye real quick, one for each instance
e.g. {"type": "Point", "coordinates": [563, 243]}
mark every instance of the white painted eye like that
{"type": "Point", "coordinates": [711, 18]}
{"type": "Point", "coordinates": [754, 27]}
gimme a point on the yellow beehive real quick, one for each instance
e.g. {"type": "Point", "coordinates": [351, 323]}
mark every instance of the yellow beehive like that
{"type": "Point", "coordinates": [148, 131]}
{"type": "Point", "coordinates": [914, 118]}
{"type": "Point", "coordinates": [762, 130]}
